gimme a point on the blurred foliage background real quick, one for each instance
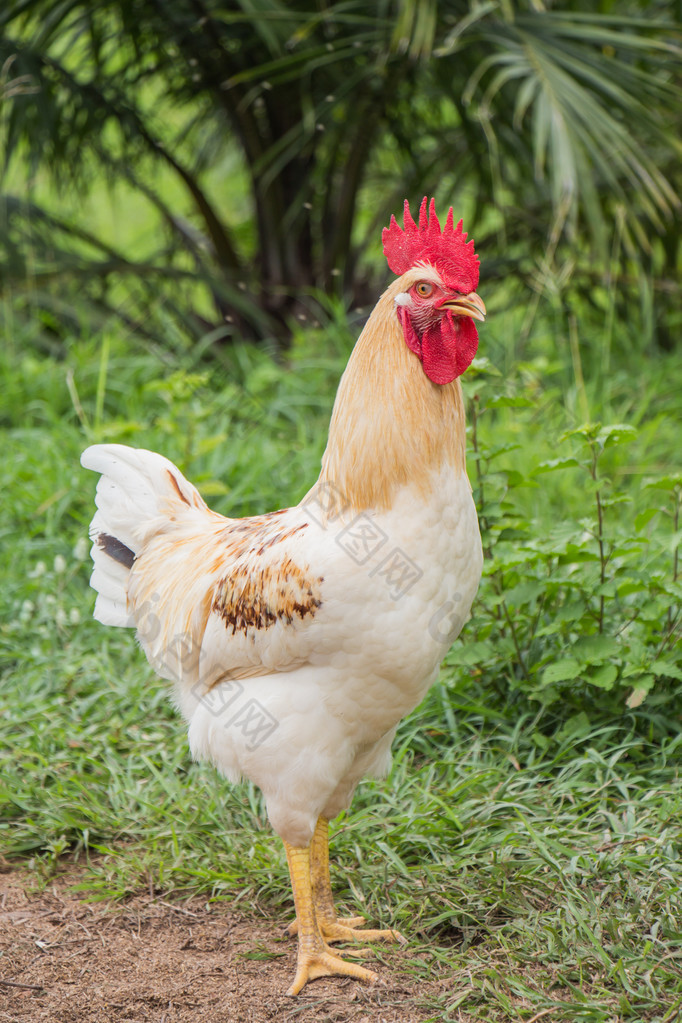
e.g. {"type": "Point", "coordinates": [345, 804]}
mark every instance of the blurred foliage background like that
{"type": "Point", "coordinates": [223, 167]}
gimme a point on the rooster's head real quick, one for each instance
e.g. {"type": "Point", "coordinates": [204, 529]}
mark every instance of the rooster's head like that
{"type": "Point", "coordinates": [438, 304]}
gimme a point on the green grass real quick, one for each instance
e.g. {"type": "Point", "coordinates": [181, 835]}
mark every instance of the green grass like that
{"type": "Point", "coordinates": [528, 839]}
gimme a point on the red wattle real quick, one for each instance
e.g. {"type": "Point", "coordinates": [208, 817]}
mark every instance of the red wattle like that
{"type": "Point", "coordinates": [446, 348]}
{"type": "Point", "coordinates": [439, 354]}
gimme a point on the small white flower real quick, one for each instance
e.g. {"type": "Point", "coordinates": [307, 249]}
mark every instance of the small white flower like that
{"type": "Point", "coordinates": [80, 551]}
{"type": "Point", "coordinates": [60, 617]}
{"type": "Point", "coordinates": [74, 616]}
{"type": "Point", "coordinates": [39, 569]}
{"type": "Point", "coordinates": [59, 564]}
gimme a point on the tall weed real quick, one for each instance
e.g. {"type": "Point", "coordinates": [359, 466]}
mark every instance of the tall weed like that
{"type": "Point", "coordinates": [581, 612]}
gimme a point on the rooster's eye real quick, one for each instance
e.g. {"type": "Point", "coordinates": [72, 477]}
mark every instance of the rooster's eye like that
{"type": "Point", "coordinates": [424, 289]}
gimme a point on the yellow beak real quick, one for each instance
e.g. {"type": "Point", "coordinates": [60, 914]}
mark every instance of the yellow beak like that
{"type": "Point", "coordinates": [468, 305]}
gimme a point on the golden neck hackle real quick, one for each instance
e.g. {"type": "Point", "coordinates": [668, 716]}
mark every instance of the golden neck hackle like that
{"type": "Point", "coordinates": [391, 426]}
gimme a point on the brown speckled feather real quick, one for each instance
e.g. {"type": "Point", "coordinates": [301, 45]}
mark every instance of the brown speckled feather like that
{"type": "Point", "coordinates": [242, 573]}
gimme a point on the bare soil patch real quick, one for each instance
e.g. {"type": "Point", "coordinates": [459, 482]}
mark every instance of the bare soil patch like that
{"type": "Point", "coordinates": [67, 960]}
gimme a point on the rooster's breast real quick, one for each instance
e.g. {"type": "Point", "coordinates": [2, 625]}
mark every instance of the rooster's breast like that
{"type": "Point", "coordinates": [398, 589]}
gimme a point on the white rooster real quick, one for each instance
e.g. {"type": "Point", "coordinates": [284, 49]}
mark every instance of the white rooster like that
{"type": "Point", "coordinates": [297, 640]}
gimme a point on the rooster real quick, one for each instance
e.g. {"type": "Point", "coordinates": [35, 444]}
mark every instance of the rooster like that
{"type": "Point", "coordinates": [297, 640]}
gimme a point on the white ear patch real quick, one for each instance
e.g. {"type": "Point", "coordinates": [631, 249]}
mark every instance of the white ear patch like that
{"type": "Point", "coordinates": [403, 299]}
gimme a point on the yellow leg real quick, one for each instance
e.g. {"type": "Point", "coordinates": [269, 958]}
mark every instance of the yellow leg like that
{"type": "Point", "coordinates": [332, 927]}
{"type": "Point", "coordinates": [315, 959]}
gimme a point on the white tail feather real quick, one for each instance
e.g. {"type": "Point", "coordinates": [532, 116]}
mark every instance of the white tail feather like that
{"type": "Point", "coordinates": [135, 494]}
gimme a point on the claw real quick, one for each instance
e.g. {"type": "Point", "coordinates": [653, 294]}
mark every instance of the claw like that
{"type": "Point", "coordinates": [326, 964]}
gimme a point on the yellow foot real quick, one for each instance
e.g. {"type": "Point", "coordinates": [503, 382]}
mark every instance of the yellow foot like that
{"type": "Point", "coordinates": [312, 965]}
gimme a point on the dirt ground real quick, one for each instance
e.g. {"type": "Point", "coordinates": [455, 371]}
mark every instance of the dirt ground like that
{"type": "Point", "coordinates": [66, 960]}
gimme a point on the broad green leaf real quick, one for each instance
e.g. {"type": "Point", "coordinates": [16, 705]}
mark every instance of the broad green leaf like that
{"type": "Point", "coordinates": [595, 649]}
{"type": "Point", "coordinates": [616, 499]}
{"type": "Point", "coordinates": [517, 479]}
{"type": "Point", "coordinates": [512, 535]}
{"type": "Point", "coordinates": [603, 677]}
{"type": "Point", "coordinates": [617, 433]}
{"type": "Point", "coordinates": [574, 555]}
{"type": "Point", "coordinates": [506, 559]}
{"type": "Point", "coordinates": [482, 364]}
{"type": "Point", "coordinates": [644, 518]}
{"type": "Point", "coordinates": [587, 432]}
{"type": "Point", "coordinates": [561, 671]}
{"type": "Point", "coordinates": [665, 483]}
{"type": "Point", "coordinates": [525, 592]}
{"type": "Point", "coordinates": [471, 654]}
{"type": "Point", "coordinates": [662, 668]}
{"type": "Point", "coordinates": [571, 612]}
{"type": "Point", "coordinates": [557, 463]}
{"type": "Point", "coordinates": [632, 586]}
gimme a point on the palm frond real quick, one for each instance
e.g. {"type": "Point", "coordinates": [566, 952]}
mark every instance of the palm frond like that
{"type": "Point", "coordinates": [599, 93]}
{"type": "Point", "coordinates": [545, 124]}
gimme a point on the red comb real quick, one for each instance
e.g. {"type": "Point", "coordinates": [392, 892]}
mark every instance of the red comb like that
{"type": "Point", "coordinates": [447, 249]}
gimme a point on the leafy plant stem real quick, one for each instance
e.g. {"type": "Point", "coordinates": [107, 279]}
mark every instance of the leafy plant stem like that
{"type": "Point", "coordinates": [603, 559]}
{"type": "Point", "coordinates": [475, 412]}
{"type": "Point", "coordinates": [669, 635]}
{"type": "Point", "coordinates": [677, 498]}
{"type": "Point", "coordinates": [515, 639]}
{"type": "Point", "coordinates": [676, 554]}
